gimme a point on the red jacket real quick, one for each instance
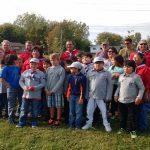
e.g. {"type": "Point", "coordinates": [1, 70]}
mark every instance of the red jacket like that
{"type": "Point", "coordinates": [68, 55]}
{"type": "Point", "coordinates": [146, 55]}
{"type": "Point", "coordinates": [144, 72]}
{"type": "Point", "coordinates": [25, 55]}
{"type": "Point", "coordinates": [26, 65]}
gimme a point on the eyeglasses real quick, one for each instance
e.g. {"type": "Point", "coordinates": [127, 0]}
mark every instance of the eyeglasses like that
{"type": "Point", "coordinates": [111, 52]}
{"type": "Point", "coordinates": [143, 44]}
{"type": "Point", "coordinates": [126, 43]}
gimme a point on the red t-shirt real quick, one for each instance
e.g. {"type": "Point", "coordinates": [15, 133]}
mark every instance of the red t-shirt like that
{"type": "Point", "coordinates": [68, 55]}
{"type": "Point", "coordinates": [25, 55]}
{"type": "Point", "coordinates": [144, 72]}
{"type": "Point", "coordinates": [26, 65]}
{"type": "Point", "coordinates": [9, 52]}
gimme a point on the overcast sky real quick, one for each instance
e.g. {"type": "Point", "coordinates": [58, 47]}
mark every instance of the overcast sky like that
{"type": "Point", "coordinates": [91, 12]}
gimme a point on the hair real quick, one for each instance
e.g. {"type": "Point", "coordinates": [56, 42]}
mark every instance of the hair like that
{"type": "Point", "coordinates": [5, 41]}
{"type": "Point", "coordinates": [87, 55]}
{"type": "Point", "coordinates": [130, 63]}
{"type": "Point", "coordinates": [141, 55]}
{"type": "Point", "coordinates": [114, 49]}
{"type": "Point", "coordinates": [2, 62]}
{"type": "Point", "coordinates": [29, 42]}
{"type": "Point", "coordinates": [119, 59]}
{"type": "Point", "coordinates": [10, 59]}
{"type": "Point", "coordinates": [54, 56]}
{"type": "Point", "coordinates": [68, 62]}
{"type": "Point", "coordinates": [142, 41]}
{"type": "Point", "coordinates": [36, 48]}
{"type": "Point", "coordinates": [79, 54]}
{"type": "Point", "coordinates": [128, 40]}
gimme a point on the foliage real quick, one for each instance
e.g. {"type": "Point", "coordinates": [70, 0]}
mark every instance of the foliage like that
{"type": "Point", "coordinates": [72, 30]}
{"type": "Point", "coordinates": [12, 33]}
{"type": "Point", "coordinates": [35, 26]}
{"type": "Point", "coordinates": [112, 38]}
{"type": "Point", "coordinates": [148, 40]}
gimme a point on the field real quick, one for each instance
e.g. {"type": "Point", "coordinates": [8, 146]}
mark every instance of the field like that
{"type": "Point", "coordinates": [46, 137]}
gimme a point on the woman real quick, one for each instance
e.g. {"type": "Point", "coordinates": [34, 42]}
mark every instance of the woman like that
{"type": "Point", "coordinates": [36, 53]}
{"type": "Point", "coordinates": [143, 71]}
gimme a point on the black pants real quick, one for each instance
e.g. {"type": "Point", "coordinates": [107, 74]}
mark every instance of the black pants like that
{"type": "Point", "coordinates": [127, 112]}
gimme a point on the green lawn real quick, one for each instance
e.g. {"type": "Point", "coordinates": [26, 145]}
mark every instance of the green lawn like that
{"type": "Point", "coordinates": [49, 138]}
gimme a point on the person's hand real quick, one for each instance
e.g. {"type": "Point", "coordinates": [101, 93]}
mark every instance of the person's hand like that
{"type": "Point", "coordinates": [68, 99]}
{"type": "Point", "coordinates": [31, 88]}
{"type": "Point", "coordinates": [80, 101]}
{"type": "Point", "coordinates": [116, 98]}
{"type": "Point", "coordinates": [117, 75]}
{"type": "Point", "coordinates": [137, 101]}
{"type": "Point", "coordinates": [26, 88]}
{"type": "Point", "coordinates": [48, 93]}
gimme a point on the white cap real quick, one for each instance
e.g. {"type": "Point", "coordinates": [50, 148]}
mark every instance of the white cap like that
{"type": "Point", "coordinates": [34, 60]}
{"type": "Point", "coordinates": [96, 59]}
{"type": "Point", "coordinates": [75, 65]}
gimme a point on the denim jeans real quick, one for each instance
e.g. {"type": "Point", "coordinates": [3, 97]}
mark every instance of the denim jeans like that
{"type": "Point", "coordinates": [24, 110]}
{"type": "Point", "coordinates": [3, 103]}
{"type": "Point", "coordinates": [76, 112]}
{"type": "Point", "coordinates": [12, 95]}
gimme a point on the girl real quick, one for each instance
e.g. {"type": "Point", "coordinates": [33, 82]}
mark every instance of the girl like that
{"type": "Point", "coordinates": [116, 69]}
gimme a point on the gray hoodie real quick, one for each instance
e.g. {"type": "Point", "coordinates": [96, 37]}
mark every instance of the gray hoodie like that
{"type": "Point", "coordinates": [99, 85]}
{"type": "Point", "coordinates": [32, 78]}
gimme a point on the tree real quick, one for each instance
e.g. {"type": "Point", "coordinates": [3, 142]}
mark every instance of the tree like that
{"type": "Point", "coordinates": [60, 32]}
{"type": "Point", "coordinates": [148, 40]}
{"type": "Point", "coordinates": [12, 33]}
{"type": "Point", "coordinates": [112, 38]}
{"type": "Point", "coordinates": [36, 27]}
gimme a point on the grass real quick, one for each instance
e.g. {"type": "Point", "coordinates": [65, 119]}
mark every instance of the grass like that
{"type": "Point", "coordinates": [46, 137]}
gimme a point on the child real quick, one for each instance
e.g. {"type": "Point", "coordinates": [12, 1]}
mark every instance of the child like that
{"type": "Point", "coordinates": [10, 78]}
{"type": "Point", "coordinates": [46, 64]}
{"type": "Point", "coordinates": [116, 69]}
{"type": "Point", "coordinates": [99, 91]}
{"type": "Point", "coordinates": [54, 88]}
{"type": "Point", "coordinates": [31, 81]}
{"type": "Point", "coordinates": [86, 62]}
{"type": "Point", "coordinates": [66, 82]}
{"type": "Point", "coordinates": [129, 94]}
{"type": "Point", "coordinates": [75, 95]}
{"type": "Point", "coordinates": [3, 93]}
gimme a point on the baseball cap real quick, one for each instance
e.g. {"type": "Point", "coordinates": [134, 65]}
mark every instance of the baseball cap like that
{"type": "Point", "coordinates": [75, 65]}
{"type": "Point", "coordinates": [96, 59]}
{"type": "Point", "coordinates": [34, 60]}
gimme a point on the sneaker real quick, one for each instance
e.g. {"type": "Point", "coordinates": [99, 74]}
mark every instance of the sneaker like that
{"type": "Point", "coordinates": [133, 134]}
{"type": "Point", "coordinates": [108, 128]}
{"type": "Point", "coordinates": [34, 124]}
{"type": "Point", "coordinates": [121, 131]}
{"type": "Point", "coordinates": [51, 121]}
{"type": "Point", "coordinates": [57, 123]}
{"type": "Point", "coordinates": [19, 125]}
{"type": "Point", "coordinates": [87, 126]}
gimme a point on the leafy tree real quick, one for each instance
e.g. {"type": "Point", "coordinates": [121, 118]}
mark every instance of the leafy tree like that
{"type": "Point", "coordinates": [12, 33]}
{"type": "Point", "coordinates": [112, 38]}
{"type": "Point", "coordinates": [148, 40]}
{"type": "Point", "coordinates": [36, 27]}
{"type": "Point", "coordinates": [72, 30]}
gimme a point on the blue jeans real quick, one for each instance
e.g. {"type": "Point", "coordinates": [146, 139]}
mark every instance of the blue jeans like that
{"type": "Point", "coordinates": [3, 103]}
{"type": "Point", "coordinates": [24, 110]}
{"type": "Point", "coordinates": [76, 112]}
{"type": "Point", "coordinates": [12, 95]}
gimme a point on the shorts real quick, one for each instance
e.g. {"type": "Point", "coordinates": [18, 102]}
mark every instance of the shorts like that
{"type": "Point", "coordinates": [55, 100]}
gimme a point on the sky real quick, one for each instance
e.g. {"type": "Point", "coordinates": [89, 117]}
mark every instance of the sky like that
{"type": "Point", "coordinates": [92, 12]}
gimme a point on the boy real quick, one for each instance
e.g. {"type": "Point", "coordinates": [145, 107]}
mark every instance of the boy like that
{"type": "Point", "coordinates": [55, 76]}
{"type": "Point", "coordinates": [129, 94]}
{"type": "Point", "coordinates": [75, 95]}
{"type": "Point", "coordinates": [32, 81]}
{"type": "Point", "coordinates": [99, 91]}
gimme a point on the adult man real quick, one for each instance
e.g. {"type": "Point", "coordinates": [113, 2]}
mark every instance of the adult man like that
{"type": "Point", "coordinates": [125, 52]}
{"type": "Point", "coordinates": [7, 48]}
{"type": "Point", "coordinates": [27, 52]}
{"type": "Point", "coordinates": [70, 52]}
{"type": "Point", "coordinates": [104, 49]}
